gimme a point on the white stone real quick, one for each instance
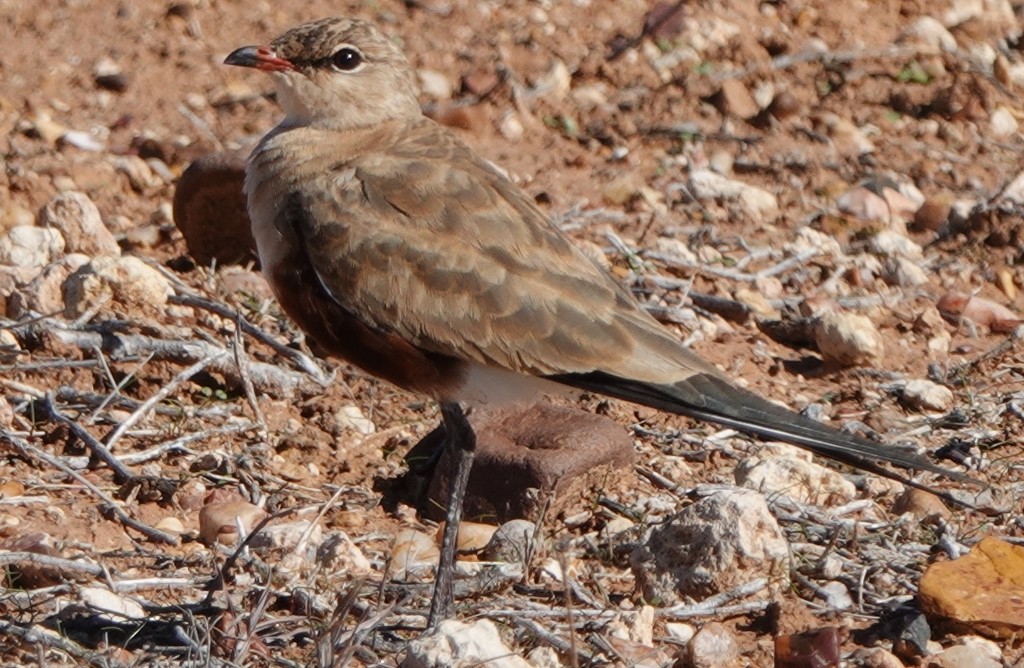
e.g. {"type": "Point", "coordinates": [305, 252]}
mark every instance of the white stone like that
{"type": "Point", "coordinates": [714, 646]}
{"type": "Point", "coordinates": [1013, 194]}
{"type": "Point", "coordinates": [1004, 123]}
{"type": "Point", "coordinates": [338, 552]}
{"type": "Point", "coordinates": [458, 644]}
{"type": "Point", "coordinates": [720, 542]}
{"type": "Point", "coordinates": [893, 244]}
{"type": "Point", "coordinates": [755, 202]}
{"type": "Point", "coordinates": [79, 222]}
{"type": "Point", "coordinates": [435, 84]}
{"type": "Point", "coordinates": [680, 631]}
{"type": "Point", "coordinates": [555, 84]}
{"type": "Point", "coordinates": [512, 542]}
{"type": "Point", "coordinates": [299, 536]}
{"type": "Point", "coordinates": [808, 239]}
{"type": "Point", "coordinates": [30, 247]}
{"type": "Point", "coordinates": [837, 595]}
{"type": "Point", "coordinates": [926, 395]}
{"type": "Point", "coordinates": [127, 280]}
{"type": "Point", "coordinates": [511, 127]}
{"type": "Point", "coordinates": [111, 606]}
{"type": "Point", "coordinates": [544, 657]}
{"type": "Point", "coordinates": [904, 273]}
{"type": "Point", "coordinates": [930, 32]}
{"type": "Point", "coordinates": [352, 418]}
{"type": "Point", "coordinates": [848, 339]}
{"type": "Point", "coordinates": [798, 479]}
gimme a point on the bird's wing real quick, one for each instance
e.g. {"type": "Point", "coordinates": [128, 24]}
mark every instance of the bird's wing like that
{"type": "Point", "coordinates": [429, 242]}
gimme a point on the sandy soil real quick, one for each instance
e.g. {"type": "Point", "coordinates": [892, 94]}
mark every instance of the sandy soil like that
{"type": "Point", "coordinates": [580, 104]}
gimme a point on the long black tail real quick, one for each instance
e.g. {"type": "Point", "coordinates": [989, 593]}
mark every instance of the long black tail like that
{"type": "Point", "coordinates": [713, 399]}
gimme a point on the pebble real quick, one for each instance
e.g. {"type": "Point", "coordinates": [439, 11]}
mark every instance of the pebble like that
{"type": "Point", "coordinates": [80, 223]}
{"type": "Point", "coordinates": [1003, 122]}
{"type": "Point", "coordinates": [460, 644]}
{"type": "Point", "coordinates": [218, 521]}
{"type": "Point", "coordinates": [957, 307]}
{"type": "Point", "coordinates": [970, 654]}
{"type": "Point", "coordinates": [983, 589]}
{"type": "Point", "coordinates": [720, 542]}
{"type": "Point", "coordinates": [351, 418]}
{"type": "Point", "coordinates": [544, 657]}
{"type": "Point", "coordinates": [923, 505]}
{"type": "Point", "coordinates": [127, 280]}
{"type": "Point", "coordinates": [111, 606]}
{"type": "Point", "coordinates": [893, 244]}
{"type": "Point", "coordinates": [904, 273]}
{"type": "Point", "coordinates": [512, 542]}
{"type": "Point", "coordinates": [555, 84]}
{"type": "Point", "coordinates": [171, 525]}
{"type": "Point", "coordinates": [929, 32]}
{"type": "Point", "coordinates": [339, 553]}
{"type": "Point", "coordinates": [413, 554]}
{"type": "Point", "coordinates": [759, 204]}
{"type": "Point", "coordinates": [926, 395]}
{"type": "Point", "coordinates": [298, 537]}
{"type": "Point", "coordinates": [713, 646]}
{"type": "Point", "coordinates": [733, 99]}
{"type": "Point", "coordinates": [876, 657]}
{"type": "Point", "coordinates": [796, 478]}
{"type": "Point", "coordinates": [848, 339]}
{"type": "Point", "coordinates": [435, 84]}
{"type": "Point", "coordinates": [30, 247]}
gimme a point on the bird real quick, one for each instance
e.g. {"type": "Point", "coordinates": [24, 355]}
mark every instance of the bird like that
{"type": "Point", "coordinates": [394, 246]}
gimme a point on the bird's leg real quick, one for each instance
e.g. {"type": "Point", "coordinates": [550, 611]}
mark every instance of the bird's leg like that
{"type": "Point", "coordinates": [460, 444]}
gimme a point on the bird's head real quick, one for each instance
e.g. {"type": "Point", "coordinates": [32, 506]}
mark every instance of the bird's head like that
{"type": "Point", "coordinates": [335, 73]}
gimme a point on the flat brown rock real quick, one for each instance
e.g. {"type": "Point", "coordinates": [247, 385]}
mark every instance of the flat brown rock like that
{"type": "Point", "coordinates": [983, 590]}
{"type": "Point", "coordinates": [525, 451]}
{"type": "Point", "coordinates": [210, 209]}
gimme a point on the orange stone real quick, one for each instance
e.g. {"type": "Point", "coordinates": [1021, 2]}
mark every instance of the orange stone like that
{"type": "Point", "coordinates": [983, 590]}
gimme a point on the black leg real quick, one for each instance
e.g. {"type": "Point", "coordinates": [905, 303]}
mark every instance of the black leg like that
{"type": "Point", "coordinates": [460, 444]}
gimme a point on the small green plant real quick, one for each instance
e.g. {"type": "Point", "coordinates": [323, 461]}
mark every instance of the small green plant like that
{"type": "Point", "coordinates": [912, 72]}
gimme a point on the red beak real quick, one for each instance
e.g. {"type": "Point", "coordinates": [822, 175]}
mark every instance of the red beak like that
{"type": "Point", "coordinates": [260, 57]}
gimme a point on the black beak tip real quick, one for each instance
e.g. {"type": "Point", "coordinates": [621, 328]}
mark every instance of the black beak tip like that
{"type": "Point", "coordinates": [247, 56]}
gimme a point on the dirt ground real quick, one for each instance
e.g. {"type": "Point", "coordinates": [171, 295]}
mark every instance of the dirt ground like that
{"type": "Point", "coordinates": [601, 110]}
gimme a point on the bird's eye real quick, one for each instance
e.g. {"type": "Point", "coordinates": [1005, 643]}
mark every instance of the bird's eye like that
{"type": "Point", "coordinates": [346, 59]}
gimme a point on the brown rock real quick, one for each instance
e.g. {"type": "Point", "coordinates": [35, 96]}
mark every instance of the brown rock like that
{"type": "Point", "coordinates": [210, 209]}
{"type": "Point", "coordinates": [921, 504]}
{"type": "Point", "coordinates": [982, 591]}
{"type": "Point", "coordinates": [812, 649]}
{"type": "Point", "coordinates": [524, 449]}
{"type": "Point", "coordinates": [219, 520]}
{"type": "Point", "coordinates": [733, 99]}
{"type": "Point", "coordinates": [933, 213]}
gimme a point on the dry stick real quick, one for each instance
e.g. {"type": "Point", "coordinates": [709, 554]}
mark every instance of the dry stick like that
{"type": "Point", "coordinates": [29, 451]}
{"type": "Point", "coordinates": [790, 59]}
{"type": "Point", "coordinates": [33, 636]}
{"type": "Point", "coordinates": [265, 376]}
{"type": "Point", "coordinates": [117, 387]}
{"type": "Point", "coordinates": [242, 362]}
{"type": "Point", "coordinates": [159, 396]}
{"type": "Point", "coordinates": [121, 472]}
{"type": "Point", "coordinates": [557, 642]}
{"type": "Point", "coordinates": [297, 357]}
{"type": "Point", "coordinates": [50, 562]}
